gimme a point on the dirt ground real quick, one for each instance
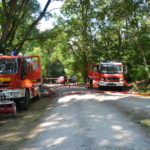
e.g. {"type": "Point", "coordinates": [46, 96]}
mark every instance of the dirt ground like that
{"type": "Point", "coordinates": [77, 119]}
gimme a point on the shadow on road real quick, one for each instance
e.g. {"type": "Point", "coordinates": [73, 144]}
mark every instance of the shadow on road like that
{"type": "Point", "coordinates": [86, 122]}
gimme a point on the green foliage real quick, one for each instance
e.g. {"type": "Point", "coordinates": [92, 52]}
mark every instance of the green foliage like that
{"type": "Point", "coordinates": [14, 22]}
{"type": "Point", "coordinates": [90, 31]}
{"type": "Point", "coordinates": [140, 73]}
{"type": "Point", "coordinates": [142, 87]}
{"type": "Point", "coordinates": [87, 32]}
{"type": "Point", "coordinates": [18, 21]}
{"type": "Point", "coordinates": [51, 66]}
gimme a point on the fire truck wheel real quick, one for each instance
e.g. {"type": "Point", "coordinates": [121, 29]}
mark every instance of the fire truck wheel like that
{"type": "Point", "coordinates": [37, 97]}
{"type": "Point", "coordinates": [26, 101]}
{"type": "Point", "coordinates": [90, 81]}
{"type": "Point", "coordinates": [99, 87]}
{"type": "Point", "coordinates": [121, 88]}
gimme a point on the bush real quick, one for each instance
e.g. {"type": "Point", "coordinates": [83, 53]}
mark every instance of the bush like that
{"type": "Point", "coordinates": [140, 73]}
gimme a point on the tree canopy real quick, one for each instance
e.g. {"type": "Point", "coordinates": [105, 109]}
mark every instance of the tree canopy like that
{"type": "Point", "coordinates": [18, 20]}
{"type": "Point", "coordinates": [86, 32]}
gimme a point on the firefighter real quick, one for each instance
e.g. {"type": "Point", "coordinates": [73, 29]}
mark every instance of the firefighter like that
{"type": "Point", "coordinates": [65, 79]}
{"type": "Point", "coordinates": [73, 80]}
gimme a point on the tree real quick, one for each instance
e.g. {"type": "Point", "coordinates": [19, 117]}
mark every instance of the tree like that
{"type": "Point", "coordinates": [18, 20]}
{"type": "Point", "coordinates": [76, 30]}
{"type": "Point", "coordinates": [90, 31]}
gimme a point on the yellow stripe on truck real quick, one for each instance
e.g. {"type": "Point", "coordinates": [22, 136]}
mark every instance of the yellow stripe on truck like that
{"type": "Point", "coordinates": [28, 81]}
{"type": "Point", "coordinates": [4, 79]}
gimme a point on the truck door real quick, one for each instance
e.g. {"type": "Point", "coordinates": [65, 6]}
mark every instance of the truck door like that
{"type": "Point", "coordinates": [30, 71]}
{"type": "Point", "coordinates": [93, 75]}
{"type": "Point", "coordinates": [34, 69]}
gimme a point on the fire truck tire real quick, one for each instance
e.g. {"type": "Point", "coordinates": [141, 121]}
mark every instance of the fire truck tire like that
{"type": "Point", "coordinates": [38, 97]}
{"type": "Point", "coordinates": [99, 87]}
{"type": "Point", "coordinates": [26, 101]}
{"type": "Point", "coordinates": [90, 82]}
{"type": "Point", "coordinates": [121, 88]}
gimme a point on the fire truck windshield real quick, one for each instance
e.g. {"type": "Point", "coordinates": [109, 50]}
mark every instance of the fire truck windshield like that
{"type": "Point", "coordinates": [111, 68]}
{"type": "Point", "coordinates": [8, 66]}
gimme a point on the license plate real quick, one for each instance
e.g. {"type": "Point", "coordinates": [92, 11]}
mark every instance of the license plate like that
{"type": "Point", "coordinates": [111, 84]}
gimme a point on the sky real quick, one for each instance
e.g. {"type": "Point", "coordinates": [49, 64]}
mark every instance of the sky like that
{"type": "Point", "coordinates": [47, 24]}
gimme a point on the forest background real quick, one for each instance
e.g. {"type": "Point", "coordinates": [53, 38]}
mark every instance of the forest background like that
{"type": "Point", "coordinates": [85, 32]}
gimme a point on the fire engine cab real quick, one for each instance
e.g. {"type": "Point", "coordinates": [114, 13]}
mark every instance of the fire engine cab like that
{"type": "Point", "coordinates": [107, 74]}
{"type": "Point", "coordinates": [20, 79]}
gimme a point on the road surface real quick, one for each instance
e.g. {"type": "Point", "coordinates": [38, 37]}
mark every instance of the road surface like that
{"type": "Point", "coordinates": [87, 121]}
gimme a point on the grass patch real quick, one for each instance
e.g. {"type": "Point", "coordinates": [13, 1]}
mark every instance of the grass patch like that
{"type": "Point", "coordinates": [14, 131]}
{"type": "Point", "coordinates": [143, 120]}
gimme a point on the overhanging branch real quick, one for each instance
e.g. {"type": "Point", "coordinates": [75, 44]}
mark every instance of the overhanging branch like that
{"type": "Point", "coordinates": [32, 25]}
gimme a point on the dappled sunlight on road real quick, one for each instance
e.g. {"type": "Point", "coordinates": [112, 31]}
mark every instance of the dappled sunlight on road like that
{"type": "Point", "coordinates": [148, 106]}
{"type": "Point", "coordinates": [86, 122]}
{"type": "Point", "coordinates": [48, 124]}
{"type": "Point", "coordinates": [66, 99]}
{"type": "Point", "coordinates": [10, 137]}
{"type": "Point", "coordinates": [104, 142]}
{"type": "Point", "coordinates": [124, 134]}
{"type": "Point", "coordinates": [116, 127]}
{"type": "Point", "coordinates": [56, 141]}
{"type": "Point", "coordinates": [98, 97]}
{"type": "Point", "coordinates": [34, 134]}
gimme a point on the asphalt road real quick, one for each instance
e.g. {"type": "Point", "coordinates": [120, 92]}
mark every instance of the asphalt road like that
{"type": "Point", "coordinates": [87, 121]}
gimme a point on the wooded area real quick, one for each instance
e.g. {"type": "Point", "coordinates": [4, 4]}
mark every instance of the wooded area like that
{"type": "Point", "coordinates": [86, 32]}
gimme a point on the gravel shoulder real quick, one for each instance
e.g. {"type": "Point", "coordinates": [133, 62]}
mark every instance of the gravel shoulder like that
{"type": "Point", "coordinates": [136, 104]}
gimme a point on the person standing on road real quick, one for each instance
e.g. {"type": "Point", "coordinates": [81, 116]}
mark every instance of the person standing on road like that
{"type": "Point", "coordinates": [65, 79]}
{"type": "Point", "coordinates": [73, 80]}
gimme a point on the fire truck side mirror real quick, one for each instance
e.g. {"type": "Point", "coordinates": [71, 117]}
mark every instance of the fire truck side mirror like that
{"type": "Point", "coordinates": [125, 69]}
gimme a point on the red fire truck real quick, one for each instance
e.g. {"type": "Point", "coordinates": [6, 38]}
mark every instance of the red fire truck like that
{"type": "Point", "coordinates": [107, 74]}
{"type": "Point", "coordinates": [20, 79]}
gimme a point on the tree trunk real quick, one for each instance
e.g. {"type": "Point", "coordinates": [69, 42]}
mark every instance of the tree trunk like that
{"type": "Point", "coordinates": [144, 59]}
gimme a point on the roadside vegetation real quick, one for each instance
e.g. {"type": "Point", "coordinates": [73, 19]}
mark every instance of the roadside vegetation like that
{"type": "Point", "coordinates": [142, 87]}
{"type": "Point", "coordinates": [145, 123]}
{"type": "Point", "coordinates": [85, 33]}
{"type": "Point", "coordinates": [138, 116]}
{"type": "Point", "coordinates": [143, 120]}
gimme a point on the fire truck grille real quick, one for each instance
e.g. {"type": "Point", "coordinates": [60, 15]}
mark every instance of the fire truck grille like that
{"type": "Point", "coordinates": [112, 79]}
{"type": "Point", "coordinates": [4, 84]}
